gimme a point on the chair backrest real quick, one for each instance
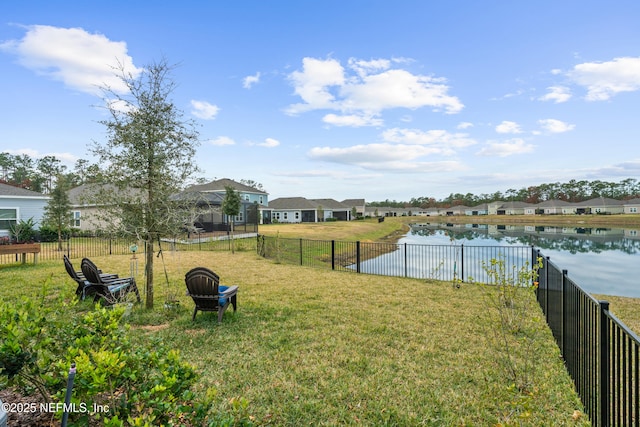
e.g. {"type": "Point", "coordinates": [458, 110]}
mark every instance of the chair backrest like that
{"type": "Point", "coordinates": [202, 286]}
{"type": "Point", "coordinates": [70, 270]}
{"type": "Point", "coordinates": [90, 271]}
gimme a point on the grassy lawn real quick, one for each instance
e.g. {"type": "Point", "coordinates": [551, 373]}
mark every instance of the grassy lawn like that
{"type": "Point", "coordinates": [364, 230]}
{"type": "Point", "coordinates": [317, 347]}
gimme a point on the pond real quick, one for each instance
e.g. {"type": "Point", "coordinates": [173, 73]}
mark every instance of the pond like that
{"type": "Point", "coordinates": [600, 260]}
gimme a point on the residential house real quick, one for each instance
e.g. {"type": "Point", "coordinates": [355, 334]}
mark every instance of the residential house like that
{"type": "Point", "coordinates": [85, 211]}
{"type": "Point", "coordinates": [358, 204]}
{"type": "Point", "coordinates": [333, 209]}
{"type": "Point", "coordinates": [300, 209]}
{"type": "Point", "coordinates": [632, 206]}
{"type": "Point", "coordinates": [18, 204]}
{"type": "Point", "coordinates": [294, 209]}
{"type": "Point", "coordinates": [378, 211]}
{"type": "Point", "coordinates": [481, 209]}
{"type": "Point", "coordinates": [248, 195]}
{"type": "Point", "coordinates": [456, 210]}
{"type": "Point", "coordinates": [551, 207]}
{"type": "Point", "coordinates": [600, 205]}
{"type": "Point", "coordinates": [511, 208]}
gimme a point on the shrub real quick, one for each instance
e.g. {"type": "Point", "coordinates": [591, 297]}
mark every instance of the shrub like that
{"type": "Point", "coordinates": [133, 384]}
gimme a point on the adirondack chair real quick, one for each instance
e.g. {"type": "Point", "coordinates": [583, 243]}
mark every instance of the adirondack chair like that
{"type": "Point", "coordinates": [81, 281]}
{"type": "Point", "coordinates": [78, 277]}
{"type": "Point", "coordinates": [203, 286]}
{"type": "Point", "coordinates": [109, 290]}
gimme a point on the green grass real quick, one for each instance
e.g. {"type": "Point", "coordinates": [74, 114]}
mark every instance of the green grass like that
{"type": "Point", "coordinates": [317, 347]}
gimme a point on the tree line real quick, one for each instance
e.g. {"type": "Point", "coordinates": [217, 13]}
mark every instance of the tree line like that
{"type": "Point", "coordinates": [572, 191]}
{"type": "Point", "coordinates": [42, 174]}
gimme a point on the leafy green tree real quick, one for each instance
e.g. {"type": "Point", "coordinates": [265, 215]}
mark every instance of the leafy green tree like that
{"type": "Point", "coordinates": [146, 159]}
{"type": "Point", "coordinates": [231, 208]}
{"type": "Point", "coordinates": [57, 213]}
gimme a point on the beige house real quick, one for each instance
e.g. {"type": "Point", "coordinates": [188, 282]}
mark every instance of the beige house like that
{"type": "Point", "coordinates": [600, 205]}
{"type": "Point", "coordinates": [632, 206]}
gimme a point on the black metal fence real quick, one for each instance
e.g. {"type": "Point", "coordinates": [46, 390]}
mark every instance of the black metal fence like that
{"type": "Point", "coordinates": [440, 262]}
{"type": "Point", "coordinates": [80, 247]}
{"type": "Point", "coordinates": [601, 354]}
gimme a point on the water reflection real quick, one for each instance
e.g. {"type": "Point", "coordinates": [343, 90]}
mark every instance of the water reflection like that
{"type": "Point", "coordinates": [600, 259]}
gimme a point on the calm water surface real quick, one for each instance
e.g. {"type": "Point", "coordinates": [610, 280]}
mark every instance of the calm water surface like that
{"type": "Point", "coordinates": [600, 260]}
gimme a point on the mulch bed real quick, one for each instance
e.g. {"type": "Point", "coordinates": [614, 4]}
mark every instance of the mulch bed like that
{"type": "Point", "coordinates": [26, 418]}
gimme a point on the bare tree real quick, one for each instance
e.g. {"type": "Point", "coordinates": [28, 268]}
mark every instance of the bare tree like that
{"type": "Point", "coordinates": [146, 158]}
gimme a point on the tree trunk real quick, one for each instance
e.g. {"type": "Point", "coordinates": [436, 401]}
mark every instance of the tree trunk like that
{"type": "Point", "coordinates": [59, 239]}
{"type": "Point", "coordinates": [149, 274]}
{"type": "Point", "coordinates": [233, 251]}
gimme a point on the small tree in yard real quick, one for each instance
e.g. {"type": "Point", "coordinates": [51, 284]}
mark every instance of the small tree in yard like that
{"type": "Point", "coordinates": [146, 159]}
{"type": "Point", "coordinates": [231, 208]}
{"type": "Point", "coordinates": [57, 213]}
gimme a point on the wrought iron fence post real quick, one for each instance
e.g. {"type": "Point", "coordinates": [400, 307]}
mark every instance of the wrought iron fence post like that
{"type": "Point", "coordinates": [405, 259]}
{"type": "Point", "coordinates": [333, 254]}
{"type": "Point", "coordinates": [300, 251]}
{"type": "Point", "coordinates": [462, 262]}
{"type": "Point", "coordinates": [604, 364]}
{"type": "Point", "coordinates": [358, 256]}
{"type": "Point", "coordinates": [564, 309]}
{"type": "Point", "coordinates": [546, 288]}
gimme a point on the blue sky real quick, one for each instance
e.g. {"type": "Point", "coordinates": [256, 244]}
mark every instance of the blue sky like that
{"type": "Point", "coordinates": [345, 99]}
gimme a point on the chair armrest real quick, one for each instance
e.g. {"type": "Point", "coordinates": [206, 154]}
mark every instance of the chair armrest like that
{"type": "Point", "coordinates": [231, 291]}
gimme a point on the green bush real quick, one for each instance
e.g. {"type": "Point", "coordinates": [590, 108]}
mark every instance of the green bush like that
{"type": "Point", "coordinates": [131, 384]}
{"type": "Point", "coordinates": [49, 233]}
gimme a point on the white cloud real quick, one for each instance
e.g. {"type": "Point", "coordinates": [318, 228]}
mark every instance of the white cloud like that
{"type": "Point", "coordinates": [606, 79]}
{"type": "Point", "coordinates": [313, 82]}
{"type": "Point", "coordinates": [81, 60]}
{"type": "Point", "coordinates": [383, 156]}
{"type": "Point", "coordinates": [507, 148]}
{"type": "Point", "coordinates": [465, 125]}
{"type": "Point", "coordinates": [557, 94]}
{"type": "Point", "coordinates": [440, 141]}
{"type": "Point", "coordinates": [352, 120]}
{"type": "Point", "coordinates": [400, 151]}
{"type": "Point", "coordinates": [555, 126]}
{"type": "Point", "coordinates": [269, 143]}
{"type": "Point", "coordinates": [204, 110]}
{"type": "Point", "coordinates": [371, 87]}
{"type": "Point", "coordinates": [249, 81]}
{"type": "Point", "coordinates": [508, 127]}
{"type": "Point", "coordinates": [222, 140]}
{"type": "Point", "coordinates": [363, 68]}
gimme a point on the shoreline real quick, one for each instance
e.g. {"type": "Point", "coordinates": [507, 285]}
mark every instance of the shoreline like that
{"type": "Point", "coordinates": [616, 221]}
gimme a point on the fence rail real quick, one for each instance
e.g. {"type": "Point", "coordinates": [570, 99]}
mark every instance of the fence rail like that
{"type": "Point", "coordinates": [602, 355]}
{"type": "Point", "coordinates": [80, 247]}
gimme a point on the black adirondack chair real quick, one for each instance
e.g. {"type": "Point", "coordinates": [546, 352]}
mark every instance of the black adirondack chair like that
{"type": "Point", "coordinates": [109, 290]}
{"type": "Point", "coordinates": [203, 286]}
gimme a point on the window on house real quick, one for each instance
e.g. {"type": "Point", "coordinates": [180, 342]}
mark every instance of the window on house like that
{"type": "Point", "coordinates": [285, 215]}
{"type": "Point", "coordinates": [240, 217]}
{"type": "Point", "coordinates": [8, 218]}
{"type": "Point", "coordinates": [633, 210]}
{"type": "Point", "coordinates": [261, 200]}
{"type": "Point", "coordinates": [75, 222]}
{"type": "Point", "coordinates": [297, 215]}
